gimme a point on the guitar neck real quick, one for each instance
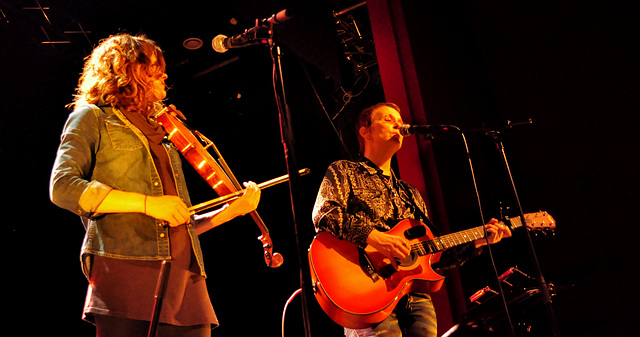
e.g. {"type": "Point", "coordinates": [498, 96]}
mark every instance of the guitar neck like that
{"type": "Point", "coordinates": [456, 239]}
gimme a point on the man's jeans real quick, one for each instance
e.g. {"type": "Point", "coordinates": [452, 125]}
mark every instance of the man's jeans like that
{"type": "Point", "coordinates": [414, 316]}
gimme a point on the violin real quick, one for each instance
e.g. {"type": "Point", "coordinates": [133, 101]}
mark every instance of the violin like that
{"type": "Point", "coordinates": [220, 179]}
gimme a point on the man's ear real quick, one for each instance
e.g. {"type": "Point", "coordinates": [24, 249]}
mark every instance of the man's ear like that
{"type": "Point", "coordinates": [364, 132]}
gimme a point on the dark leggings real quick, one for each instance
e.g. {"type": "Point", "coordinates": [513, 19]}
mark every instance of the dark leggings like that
{"type": "Point", "coordinates": [108, 326]}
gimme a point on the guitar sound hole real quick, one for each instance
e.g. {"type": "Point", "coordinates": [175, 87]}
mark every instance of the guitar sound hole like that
{"type": "Point", "coordinates": [388, 270]}
{"type": "Point", "coordinates": [411, 259]}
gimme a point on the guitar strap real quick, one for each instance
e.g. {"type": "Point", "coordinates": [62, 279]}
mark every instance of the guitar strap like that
{"type": "Point", "coordinates": [406, 195]}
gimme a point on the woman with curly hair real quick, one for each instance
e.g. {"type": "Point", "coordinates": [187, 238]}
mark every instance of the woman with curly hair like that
{"type": "Point", "coordinates": [115, 169]}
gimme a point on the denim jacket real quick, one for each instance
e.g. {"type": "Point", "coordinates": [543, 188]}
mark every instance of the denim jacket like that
{"type": "Point", "coordinates": [101, 150]}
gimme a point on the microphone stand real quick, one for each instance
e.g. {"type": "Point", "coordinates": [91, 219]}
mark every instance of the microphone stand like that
{"type": "Point", "coordinates": [287, 138]}
{"type": "Point", "coordinates": [544, 287]}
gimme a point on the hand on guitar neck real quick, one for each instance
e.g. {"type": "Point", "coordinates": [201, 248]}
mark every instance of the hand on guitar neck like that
{"type": "Point", "coordinates": [496, 231]}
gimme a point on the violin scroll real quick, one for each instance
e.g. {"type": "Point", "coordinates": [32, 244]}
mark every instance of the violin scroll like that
{"type": "Point", "coordinates": [272, 259]}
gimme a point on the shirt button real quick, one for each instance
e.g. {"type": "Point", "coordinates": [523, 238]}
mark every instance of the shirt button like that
{"type": "Point", "coordinates": [161, 235]}
{"type": "Point", "coordinates": [155, 183]}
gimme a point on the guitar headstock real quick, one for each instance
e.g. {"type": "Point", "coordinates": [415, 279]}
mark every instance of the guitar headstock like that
{"type": "Point", "coordinates": [535, 221]}
{"type": "Point", "coordinates": [540, 220]}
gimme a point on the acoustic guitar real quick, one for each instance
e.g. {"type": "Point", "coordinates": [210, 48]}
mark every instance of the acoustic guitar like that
{"type": "Point", "coordinates": [358, 288]}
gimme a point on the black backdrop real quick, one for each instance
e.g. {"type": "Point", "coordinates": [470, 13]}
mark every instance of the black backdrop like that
{"type": "Point", "coordinates": [570, 67]}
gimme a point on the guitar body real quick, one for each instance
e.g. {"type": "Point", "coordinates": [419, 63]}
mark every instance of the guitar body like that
{"type": "Point", "coordinates": [358, 288]}
{"type": "Point", "coordinates": [354, 297]}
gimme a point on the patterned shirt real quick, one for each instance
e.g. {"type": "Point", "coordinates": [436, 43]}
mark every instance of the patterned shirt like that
{"type": "Point", "coordinates": [356, 197]}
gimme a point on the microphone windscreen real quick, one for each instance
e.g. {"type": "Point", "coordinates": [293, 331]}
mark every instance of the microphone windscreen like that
{"type": "Point", "coordinates": [405, 130]}
{"type": "Point", "coordinates": [218, 43]}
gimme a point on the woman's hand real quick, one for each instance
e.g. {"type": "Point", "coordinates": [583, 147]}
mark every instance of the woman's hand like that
{"type": "Point", "coordinates": [246, 203]}
{"type": "Point", "coordinates": [175, 212]}
{"type": "Point", "coordinates": [168, 208]}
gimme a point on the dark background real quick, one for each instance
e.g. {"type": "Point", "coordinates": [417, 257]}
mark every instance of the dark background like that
{"type": "Point", "coordinates": [570, 66]}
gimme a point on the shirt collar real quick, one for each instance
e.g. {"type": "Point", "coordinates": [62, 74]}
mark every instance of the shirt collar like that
{"type": "Point", "coordinates": [372, 168]}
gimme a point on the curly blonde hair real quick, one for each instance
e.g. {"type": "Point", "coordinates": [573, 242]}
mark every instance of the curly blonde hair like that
{"type": "Point", "coordinates": [120, 72]}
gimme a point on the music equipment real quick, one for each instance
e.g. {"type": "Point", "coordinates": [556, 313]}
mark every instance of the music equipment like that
{"type": "Point", "coordinates": [161, 288]}
{"type": "Point", "coordinates": [359, 287]}
{"type": "Point", "coordinates": [408, 129]}
{"type": "Point", "coordinates": [221, 43]}
{"type": "Point", "coordinates": [215, 171]}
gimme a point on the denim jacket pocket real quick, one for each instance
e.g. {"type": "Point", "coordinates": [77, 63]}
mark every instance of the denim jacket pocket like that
{"type": "Point", "coordinates": [122, 137]}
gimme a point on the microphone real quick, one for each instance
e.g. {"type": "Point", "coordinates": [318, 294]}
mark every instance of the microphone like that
{"type": "Point", "coordinates": [407, 130]}
{"type": "Point", "coordinates": [222, 43]}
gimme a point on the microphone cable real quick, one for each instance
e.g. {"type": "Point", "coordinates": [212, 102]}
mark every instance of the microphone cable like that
{"type": "Point", "coordinates": [486, 237]}
{"type": "Point", "coordinates": [286, 305]}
